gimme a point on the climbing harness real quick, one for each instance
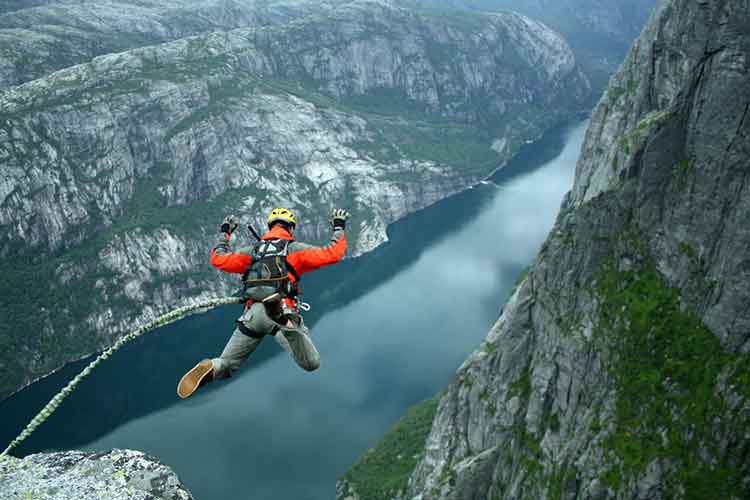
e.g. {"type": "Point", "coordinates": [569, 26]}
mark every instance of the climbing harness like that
{"type": "Point", "coordinates": [165, 319]}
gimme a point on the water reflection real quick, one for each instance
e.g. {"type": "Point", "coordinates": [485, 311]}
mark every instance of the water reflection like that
{"type": "Point", "coordinates": [391, 328]}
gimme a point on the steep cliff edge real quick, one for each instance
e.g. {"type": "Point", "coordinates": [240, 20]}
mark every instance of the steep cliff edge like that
{"type": "Point", "coordinates": [116, 172]}
{"type": "Point", "coordinates": [619, 367]}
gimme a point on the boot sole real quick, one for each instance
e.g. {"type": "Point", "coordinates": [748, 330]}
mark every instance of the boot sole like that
{"type": "Point", "coordinates": [192, 379]}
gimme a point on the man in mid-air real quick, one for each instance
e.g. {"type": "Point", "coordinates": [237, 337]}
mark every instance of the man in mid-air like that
{"type": "Point", "coordinates": [270, 269]}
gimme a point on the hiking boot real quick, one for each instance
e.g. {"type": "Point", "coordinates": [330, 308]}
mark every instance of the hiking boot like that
{"type": "Point", "coordinates": [198, 375]}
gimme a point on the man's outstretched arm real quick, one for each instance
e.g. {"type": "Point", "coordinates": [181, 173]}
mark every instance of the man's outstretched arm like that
{"type": "Point", "coordinates": [222, 256]}
{"type": "Point", "coordinates": [308, 258]}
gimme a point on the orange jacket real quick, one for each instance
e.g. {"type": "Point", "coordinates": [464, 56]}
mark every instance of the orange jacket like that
{"type": "Point", "coordinates": [302, 257]}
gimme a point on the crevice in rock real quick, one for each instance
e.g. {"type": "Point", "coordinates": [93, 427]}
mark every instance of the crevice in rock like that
{"type": "Point", "coordinates": [739, 128]}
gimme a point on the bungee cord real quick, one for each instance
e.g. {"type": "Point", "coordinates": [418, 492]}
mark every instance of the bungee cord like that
{"type": "Point", "coordinates": [163, 320]}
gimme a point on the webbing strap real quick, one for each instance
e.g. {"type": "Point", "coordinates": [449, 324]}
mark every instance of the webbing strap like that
{"type": "Point", "coordinates": [246, 331]}
{"type": "Point", "coordinates": [292, 271]}
{"type": "Point", "coordinates": [265, 244]}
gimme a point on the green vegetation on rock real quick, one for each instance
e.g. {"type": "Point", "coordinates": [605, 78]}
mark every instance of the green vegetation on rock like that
{"type": "Point", "coordinates": [402, 129]}
{"type": "Point", "coordinates": [668, 372]}
{"type": "Point", "coordinates": [521, 387]}
{"type": "Point", "coordinates": [383, 471]}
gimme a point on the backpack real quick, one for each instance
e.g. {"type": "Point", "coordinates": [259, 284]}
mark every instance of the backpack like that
{"type": "Point", "coordinates": [268, 272]}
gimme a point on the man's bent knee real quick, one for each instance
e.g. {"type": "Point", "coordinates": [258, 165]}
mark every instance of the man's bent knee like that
{"type": "Point", "coordinates": [310, 365]}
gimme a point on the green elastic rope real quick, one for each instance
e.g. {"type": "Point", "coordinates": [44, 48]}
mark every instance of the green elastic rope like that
{"type": "Point", "coordinates": [162, 320]}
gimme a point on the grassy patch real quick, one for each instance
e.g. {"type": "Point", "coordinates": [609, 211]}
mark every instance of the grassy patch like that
{"type": "Point", "coordinates": [689, 251]}
{"type": "Point", "coordinates": [222, 95]}
{"type": "Point", "coordinates": [522, 386]}
{"type": "Point", "coordinates": [667, 370]}
{"type": "Point", "coordinates": [623, 145]}
{"type": "Point", "coordinates": [383, 471]}
{"type": "Point", "coordinates": [519, 279]}
{"type": "Point", "coordinates": [462, 147]}
{"type": "Point", "coordinates": [521, 276]}
{"type": "Point", "coordinates": [403, 129]}
{"type": "Point", "coordinates": [558, 480]}
{"type": "Point", "coordinates": [615, 163]}
{"type": "Point", "coordinates": [615, 93]}
{"type": "Point", "coordinates": [489, 347]}
{"type": "Point", "coordinates": [684, 164]}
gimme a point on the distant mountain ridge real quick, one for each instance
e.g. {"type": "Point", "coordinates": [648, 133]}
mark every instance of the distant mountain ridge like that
{"type": "Point", "coordinates": [38, 38]}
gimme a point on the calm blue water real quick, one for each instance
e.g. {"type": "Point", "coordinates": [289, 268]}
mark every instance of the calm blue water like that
{"type": "Point", "coordinates": [391, 327]}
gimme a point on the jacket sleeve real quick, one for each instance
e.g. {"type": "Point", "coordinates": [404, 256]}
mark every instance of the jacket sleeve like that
{"type": "Point", "coordinates": [310, 258]}
{"type": "Point", "coordinates": [224, 259]}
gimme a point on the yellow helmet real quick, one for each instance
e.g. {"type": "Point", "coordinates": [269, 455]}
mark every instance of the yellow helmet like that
{"type": "Point", "coordinates": [281, 214]}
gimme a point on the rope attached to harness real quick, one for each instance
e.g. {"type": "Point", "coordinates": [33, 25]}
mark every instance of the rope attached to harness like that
{"type": "Point", "coordinates": [164, 319]}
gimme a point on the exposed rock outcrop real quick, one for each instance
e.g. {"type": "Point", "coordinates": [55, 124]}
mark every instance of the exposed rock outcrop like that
{"type": "Point", "coordinates": [73, 475]}
{"type": "Point", "coordinates": [619, 367]}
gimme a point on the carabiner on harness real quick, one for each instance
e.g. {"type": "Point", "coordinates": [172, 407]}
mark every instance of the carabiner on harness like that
{"type": "Point", "coordinates": [304, 306]}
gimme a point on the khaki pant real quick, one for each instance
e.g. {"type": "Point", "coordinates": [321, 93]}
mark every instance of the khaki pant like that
{"type": "Point", "coordinates": [293, 337]}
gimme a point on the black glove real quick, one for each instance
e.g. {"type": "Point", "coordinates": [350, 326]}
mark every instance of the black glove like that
{"type": "Point", "coordinates": [339, 217]}
{"type": "Point", "coordinates": [230, 224]}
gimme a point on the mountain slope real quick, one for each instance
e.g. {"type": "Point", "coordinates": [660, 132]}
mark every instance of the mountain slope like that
{"type": "Point", "coordinates": [36, 40]}
{"type": "Point", "coordinates": [116, 172]}
{"type": "Point", "coordinates": [619, 367]}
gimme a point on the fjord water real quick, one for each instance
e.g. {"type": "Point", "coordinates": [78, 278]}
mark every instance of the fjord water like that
{"type": "Point", "coordinates": [392, 327]}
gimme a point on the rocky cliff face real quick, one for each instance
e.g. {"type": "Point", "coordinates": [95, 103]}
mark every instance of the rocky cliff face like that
{"type": "Point", "coordinates": [619, 367]}
{"type": "Point", "coordinates": [72, 475]}
{"type": "Point", "coordinates": [116, 172]}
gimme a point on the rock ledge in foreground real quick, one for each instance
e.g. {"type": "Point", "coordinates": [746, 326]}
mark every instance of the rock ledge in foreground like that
{"type": "Point", "coordinates": [112, 475]}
